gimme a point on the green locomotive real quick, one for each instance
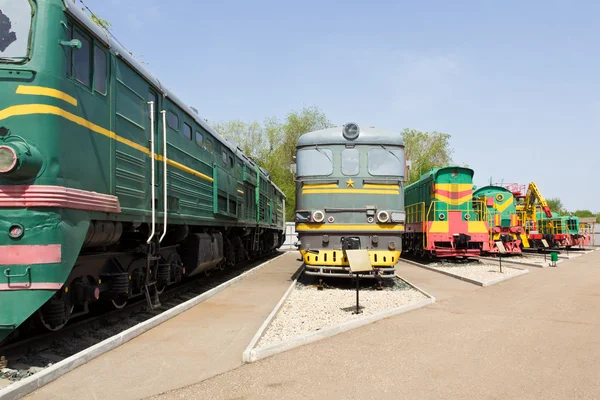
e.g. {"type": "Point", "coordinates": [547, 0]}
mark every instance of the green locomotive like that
{"type": "Point", "coordinates": [502, 218]}
{"type": "Point", "coordinates": [442, 219]}
{"type": "Point", "coordinates": [110, 186]}
{"type": "Point", "coordinates": [350, 200]}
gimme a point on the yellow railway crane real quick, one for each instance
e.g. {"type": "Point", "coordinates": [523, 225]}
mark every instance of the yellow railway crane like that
{"type": "Point", "coordinates": [528, 211]}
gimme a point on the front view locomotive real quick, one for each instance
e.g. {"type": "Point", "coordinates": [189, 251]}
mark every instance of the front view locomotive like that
{"type": "Point", "coordinates": [349, 196]}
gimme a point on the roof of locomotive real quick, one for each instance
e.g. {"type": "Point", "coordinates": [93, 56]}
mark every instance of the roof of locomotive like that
{"type": "Point", "coordinates": [119, 50]}
{"type": "Point", "coordinates": [435, 171]}
{"type": "Point", "coordinates": [367, 135]}
{"type": "Point", "coordinates": [490, 188]}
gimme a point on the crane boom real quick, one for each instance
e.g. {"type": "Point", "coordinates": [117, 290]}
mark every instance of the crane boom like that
{"type": "Point", "coordinates": [533, 194]}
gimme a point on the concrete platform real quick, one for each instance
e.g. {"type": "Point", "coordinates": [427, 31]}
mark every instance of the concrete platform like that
{"type": "Point", "coordinates": [202, 342]}
{"type": "Point", "coordinates": [536, 337]}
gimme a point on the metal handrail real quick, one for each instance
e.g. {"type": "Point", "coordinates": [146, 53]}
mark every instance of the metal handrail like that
{"type": "Point", "coordinates": [153, 201]}
{"type": "Point", "coordinates": [164, 120]}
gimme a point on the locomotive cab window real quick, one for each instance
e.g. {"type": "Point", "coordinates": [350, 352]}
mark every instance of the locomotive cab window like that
{"type": "Point", "coordinates": [187, 131]}
{"type": "Point", "coordinates": [314, 162]}
{"type": "Point", "coordinates": [209, 145]}
{"type": "Point", "coordinates": [385, 161]}
{"type": "Point", "coordinates": [172, 120]}
{"type": "Point", "coordinates": [15, 27]}
{"type": "Point", "coordinates": [198, 139]}
{"type": "Point", "coordinates": [350, 162]}
{"type": "Point", "coordinates": [82, 60]}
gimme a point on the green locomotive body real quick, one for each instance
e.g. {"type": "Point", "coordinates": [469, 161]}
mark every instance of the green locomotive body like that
{"type": "Point", "coordinates": [110, 186]}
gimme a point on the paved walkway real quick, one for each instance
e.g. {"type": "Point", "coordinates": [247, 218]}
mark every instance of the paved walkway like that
{"type": "Point", "coordinates": [535, 336]}
{"type": "Point", "coordinates": [202, 342]}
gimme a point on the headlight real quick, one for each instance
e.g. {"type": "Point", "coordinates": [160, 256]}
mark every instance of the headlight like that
{"type": "Point", "coordinates": [383, 216]}
{"type": "Point", "coordinates": [398, 216]}
{"type": "Point", "coordinates": [8, 159]}
{"type": "Point", "coordinates": [351, 131]}
{"type": "Point", "coordinates": [318, 216]}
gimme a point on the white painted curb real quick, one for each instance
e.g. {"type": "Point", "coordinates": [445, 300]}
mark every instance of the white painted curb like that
{"type": "Point", "coordinates": [505, 260]}
{"type": "Point", "coordinates": [473, 281]}
{"type": "Point", "coordinates": [247, 355]}
{"type": "Point", "coordinates": [34, 382]}
{"type": "Point", "coordinates": [251, 354]}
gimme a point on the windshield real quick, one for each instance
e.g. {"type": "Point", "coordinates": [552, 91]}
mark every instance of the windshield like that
{"type": "Point", "coordinates": [15, 24]}
{"type": "Point", "coordinates": [384, 161]}
{"type": "Point", "coordinates": [314, 162]}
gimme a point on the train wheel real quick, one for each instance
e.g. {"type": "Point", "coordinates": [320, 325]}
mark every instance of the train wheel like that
{"type": "Point", "coordinates": [55, 314]}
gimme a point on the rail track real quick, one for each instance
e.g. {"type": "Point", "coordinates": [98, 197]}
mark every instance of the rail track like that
{"type": "Point", "coordinates": [28, 355]}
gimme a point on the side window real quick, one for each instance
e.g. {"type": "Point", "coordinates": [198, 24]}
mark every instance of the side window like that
{"type": "Point", "coordinates": [198, 138]}
{"type": "Point", "coordinates": [100, 70]}
{"type": "Point", "coordinates": [187, 131]}
{"type": "Point", "coordinates": [224, 157]}
{"type": "Point", "coordinates": [209, 146]}
{"type": "Point", "coordinates": [172, 120]}
{"type": "Point", "coordinates": [230, 162]}
{"type": "Point", "coordinates": [350, 162]}
{"type": "Point", "coordinates": [82, 60]}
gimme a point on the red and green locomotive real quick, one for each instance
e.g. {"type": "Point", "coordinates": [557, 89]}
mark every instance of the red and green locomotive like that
{"type": "Point", "coordinates": [442, 218]}
{"type": "Point", "coordinates": [110, 186]}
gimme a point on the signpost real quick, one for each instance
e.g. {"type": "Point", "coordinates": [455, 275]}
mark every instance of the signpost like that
{"type": "Point", "coordinates": [359, 263]}
{"type": "Point", "coordinates": [501, 250]}
{"type": "Point", "coordinates": [545, 246]}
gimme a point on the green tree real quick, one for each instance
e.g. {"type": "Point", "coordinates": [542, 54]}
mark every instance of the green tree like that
{"type": "Point", "coordinates": [426, 150]}
{"type": "Point", "coordinates": [556, 205]}
{"type": "Point", "coordinates": [249, 136]}
{"type": "Point", "coordinates": [583, 213]}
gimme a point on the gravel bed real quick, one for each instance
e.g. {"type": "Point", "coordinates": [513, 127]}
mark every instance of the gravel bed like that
{"type": "Point", "coordinates": [308, 309]}
{"type": "Point", "coordinates": [483, 272]}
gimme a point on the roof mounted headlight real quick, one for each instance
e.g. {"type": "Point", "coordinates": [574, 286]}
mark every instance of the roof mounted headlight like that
{"type": "Point", "coordinates": [351, 131]}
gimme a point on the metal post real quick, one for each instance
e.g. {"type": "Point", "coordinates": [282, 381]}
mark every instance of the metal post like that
{"type": "Point", "coordinates": [357, 290]}
{"type": "Point", "coordinates": [500, 257]}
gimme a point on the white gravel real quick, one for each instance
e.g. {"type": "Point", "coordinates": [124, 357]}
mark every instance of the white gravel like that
{"type": "Point", "coordinates": [308, 309]}
{"type": "Point", "coordinates": [483, 272]}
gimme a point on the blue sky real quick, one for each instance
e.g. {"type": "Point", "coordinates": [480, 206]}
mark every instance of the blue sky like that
{"type": "Point", "coordinates": [515, 83]}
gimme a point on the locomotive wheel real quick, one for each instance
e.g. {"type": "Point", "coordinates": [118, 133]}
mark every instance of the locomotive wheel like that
{"type": "Point", "coordinates": [54, 309]}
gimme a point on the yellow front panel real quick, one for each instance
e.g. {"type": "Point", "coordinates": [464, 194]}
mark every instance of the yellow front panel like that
{"type": "Point", "coordinates": [379, 258]}
{"type": "Point", "coordinates": [439, 227]}
{"type": "Point", "coordinates": [349, 227]}
{"type": "Point", "coordinates": [477, 227]}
